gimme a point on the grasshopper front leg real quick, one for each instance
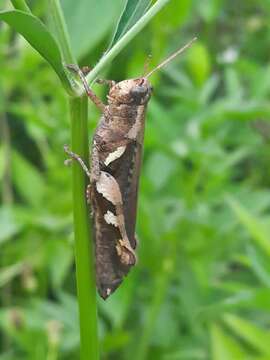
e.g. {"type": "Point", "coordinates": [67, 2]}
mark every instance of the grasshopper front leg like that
{"type": "Point", "coordinates": [110, 83]}
{"type": "Point", "coordinates": [76, 157]}
{"type": "Point", "coordinates": [89, 91]}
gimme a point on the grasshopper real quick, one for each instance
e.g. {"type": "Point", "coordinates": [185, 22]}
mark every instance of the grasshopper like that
{"type": "Point", "coordinates": [116, 156]}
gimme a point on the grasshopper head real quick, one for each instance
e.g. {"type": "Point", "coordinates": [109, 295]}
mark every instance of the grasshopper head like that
{"type": "Point", "coordinates": [131, 92]}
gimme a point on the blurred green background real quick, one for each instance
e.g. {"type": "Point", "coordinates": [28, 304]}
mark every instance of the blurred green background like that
{"type": "Point", "coordinates": [201, 288]}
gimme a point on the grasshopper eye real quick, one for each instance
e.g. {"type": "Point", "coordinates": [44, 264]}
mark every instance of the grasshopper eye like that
{"type": "Point", "coordinates": [138, 93]}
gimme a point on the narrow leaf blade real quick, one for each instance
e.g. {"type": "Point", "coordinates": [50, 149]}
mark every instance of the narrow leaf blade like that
{"type": "Point", "coordinates": [257, 337]}
{"type": "Point", "coordinates": [252, 224]}
{"type": "Point", "coordinates": [27, 179]}
{"type": "Point", "coordinates": [85, 36]}
{"type": "Point", "coordinates": [38, 36]}
{"type": "Point", "coordinates": [224, 346]}
{"type": "Point", "coordinates": [133, 11]}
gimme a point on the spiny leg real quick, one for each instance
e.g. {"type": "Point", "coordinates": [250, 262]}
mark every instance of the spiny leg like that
{"type": "Point", "coordinates": [89, 91]}
{"type": "Point", "coordinates": [109, 188]}
{"type": "Point", "coordinates": [123, 246]}
{"type": "Point", "coordinates": [89, 196]}
{"type": "Point", "coordinates": [90, 199]}
{"type": "Point", "coordinates": [76, 157]}
{"type": "Point", "coordinates": [110, 83]}
{"type": "Point", "coordinates": [95, 168]}
{"type": "Point", "coordinates": [86, 70]}
{"type": "Point", "coordinates": [73, 156]}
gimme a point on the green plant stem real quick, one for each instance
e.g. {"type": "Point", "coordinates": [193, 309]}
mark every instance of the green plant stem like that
{"type": "Point", "coordinates": [85, 270]}
{"type": "Point", "coordinates": [21, 5]}
{"type": "Point", "coordinates": [61, 32]}
{"type": "Point", "coordinates": [83, 245]}
{"type": "Point", "coordinates": [115, 50]}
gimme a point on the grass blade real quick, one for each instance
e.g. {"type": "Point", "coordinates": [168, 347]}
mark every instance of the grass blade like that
{"type": "Point", "coordinates": [133, 11]}
{"type": "Point", "coordinates": [257, 337]}
{"type": "Point", "coordinates": [36, 33]}
{"type": "Point", "coordinates": [129, 35]}
{"type": "Point", "coordinates": [252, 224]}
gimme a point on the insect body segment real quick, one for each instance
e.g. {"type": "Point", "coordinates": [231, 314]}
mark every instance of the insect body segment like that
{"type": "Point", "coordinates": [114, 176]}
{"type": "Point", "coordinates": [117, 138]}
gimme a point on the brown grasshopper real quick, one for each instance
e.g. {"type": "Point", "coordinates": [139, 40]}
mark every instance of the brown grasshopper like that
{"type": "Point", "coordinates": [114, 175]}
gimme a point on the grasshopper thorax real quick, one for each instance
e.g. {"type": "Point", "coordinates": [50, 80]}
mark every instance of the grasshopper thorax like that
{"type": "Point", "coordinates": [131, 92]}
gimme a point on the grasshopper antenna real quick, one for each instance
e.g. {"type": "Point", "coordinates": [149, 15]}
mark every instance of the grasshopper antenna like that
{"type": "Point", "coordinates": [146, 65]}
{"type": "Point", "coordinates": [170, 58]}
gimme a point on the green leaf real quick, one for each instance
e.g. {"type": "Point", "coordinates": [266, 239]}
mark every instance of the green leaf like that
{"type": "Point", "coordinates": [199, 62]}
{"type": "Point", "coordinates": [174, 15]}
{"type": "Point", "coordinates": [258, 299]}
{"type": "Point", "coordinates": [258, 338]}
{"type": "Point", "coordinates": [10, 224]}
{"type": "Point", "coordinates": [159, 169]}
{"type": "Point", "coordinates": [7, 356]}
{"type": "Point", "coordinates": [21, 5]}
{"type": "Point", "coordinates": [60, 257]}
{"type": "Point", "coordinates": [115, 341]}
{"type": "Point", "coordinates": [223, 346]}
{"type": "Point", "coordinates": [9, 272]}
{"type": "Point", "coordinates": [209, 9]}
{"type": "Point", "coordinates": [88, 22]}
{"type": "Point", "coordinates": [38, 36]}
{"type": "Point", "coordinates": [27, 179]}
{"type": "Point", "coordinates": [2, 162]}
{"type": "Point", "coordinates": [256, 229]}
{"type": "Point", "coordinates": [260, 265]}
{"type": "Point", "coordinates": [117, 307]}
{"type": "Point", "coordinates": [121, 43]}
{"type": "Point", "coordinates": [133, 11]}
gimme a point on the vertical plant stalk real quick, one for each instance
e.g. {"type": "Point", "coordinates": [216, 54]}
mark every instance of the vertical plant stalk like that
{"type": "Point", "coordinates": [84, 257]}
{"type": "Point", "coordinates": [86, 286]}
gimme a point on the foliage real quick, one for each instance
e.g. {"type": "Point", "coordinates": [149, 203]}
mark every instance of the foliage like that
{"type": "Point", "coordinates": [201, 286]}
